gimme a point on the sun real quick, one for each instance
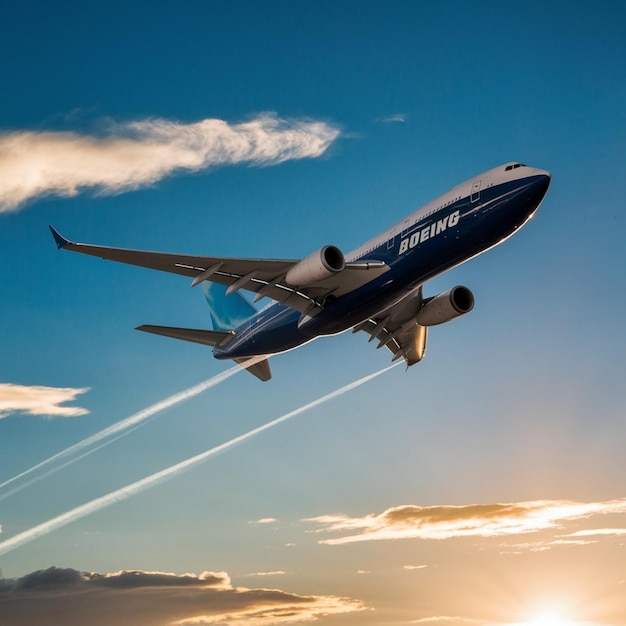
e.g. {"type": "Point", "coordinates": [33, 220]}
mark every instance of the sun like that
{"type": "Point", "coordinates": [548, 619]}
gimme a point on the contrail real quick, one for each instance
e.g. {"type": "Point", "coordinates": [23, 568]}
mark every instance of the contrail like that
{"type": "Point", "coordinates": [154, 479]}
{"type": "Point", "coordinates": [114, 429]}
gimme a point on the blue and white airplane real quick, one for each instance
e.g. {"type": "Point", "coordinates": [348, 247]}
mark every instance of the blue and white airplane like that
{"type": "Point", "coordinates": [376, 288]}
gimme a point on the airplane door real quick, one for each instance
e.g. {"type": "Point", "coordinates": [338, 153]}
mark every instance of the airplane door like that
{"type": "Point", "coordinates": [391, 240]}
{"type": "Point", "coordinates": [475, 191]}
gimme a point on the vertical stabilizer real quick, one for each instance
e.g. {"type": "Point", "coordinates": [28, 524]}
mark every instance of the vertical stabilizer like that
{"type": "Point", "coordinates": [227, 312]}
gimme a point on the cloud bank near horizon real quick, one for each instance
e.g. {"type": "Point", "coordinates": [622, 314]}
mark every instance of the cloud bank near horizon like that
{"type": "Point", "coordinates": [137, 154]}
{"type": "Point", "coordinates": [472, 520]}
{"type": "Point", "coordinates": [39, 400]}
{"type": "Point", "coordinates": [160, 598]}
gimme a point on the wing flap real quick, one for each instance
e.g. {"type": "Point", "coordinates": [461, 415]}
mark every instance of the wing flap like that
{"type": "Point", "coordinates": [397, 330]}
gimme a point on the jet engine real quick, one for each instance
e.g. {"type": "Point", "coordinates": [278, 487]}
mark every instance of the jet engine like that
{"type": "Point", "coordinates": [446, 306]}
{"type": "Point", "coordinates": [321, 264]}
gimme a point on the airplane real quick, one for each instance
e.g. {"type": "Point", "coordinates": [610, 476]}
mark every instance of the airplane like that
{"type": "Point", "coordinates": [376, 288]}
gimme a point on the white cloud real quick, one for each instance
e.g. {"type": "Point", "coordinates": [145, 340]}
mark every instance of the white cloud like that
{"type": "Point", "coordinates": [136, 154]}
{"type": "Point", "coordinates": [472, 520]}
{"type": "Point", "coordinates": [264, 520]}
{"type": "Point", "coordinates": [39, 400]}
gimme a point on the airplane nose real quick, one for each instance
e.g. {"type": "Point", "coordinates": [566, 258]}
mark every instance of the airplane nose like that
{"type": "Point", "coordinates": [543, 181]}
{"type": "Point", "coordinates": [539, 187]}
{"type": "Point", "coordinates": [537, 172]}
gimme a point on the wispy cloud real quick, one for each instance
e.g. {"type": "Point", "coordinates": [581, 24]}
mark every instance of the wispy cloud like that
{"type": "Point", "coordinates": [138, 597]}
{"type": "Point", "coordinates": [473, 520]}
{"type": "Point", "coordinates": [395, 118]}
{"type": "Point", "coordinates": [586, 537]}
{"type": "Point", "coordinates": [152, 480]}
{"type": "Point", "coordinates": [39, 400]}
{"type": "Point", "coordinates": [264, 520]}
{"type": "Point", "coordinates": [597, 531]}
{"type": "Point", "coordinates": [135, 154]}
{"type": "Point", "coordinates": [278, 572]}
{"type": "Point", "coordinates": [438, 619]}
{"type": "Point", "coordinates": [540, 546]}
{"type": "Point", "coordinates": [457, 620]}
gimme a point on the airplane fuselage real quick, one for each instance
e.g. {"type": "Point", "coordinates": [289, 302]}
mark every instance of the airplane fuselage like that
{"type": "Point", "coordinates": [464, 222]}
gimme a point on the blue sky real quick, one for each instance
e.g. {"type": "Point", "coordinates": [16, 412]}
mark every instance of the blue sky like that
{"type": "Point", "coordinates": [520, 401]}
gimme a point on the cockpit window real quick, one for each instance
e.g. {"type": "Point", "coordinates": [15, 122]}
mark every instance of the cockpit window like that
{"type": "Point", "coordinates": [513, 167]}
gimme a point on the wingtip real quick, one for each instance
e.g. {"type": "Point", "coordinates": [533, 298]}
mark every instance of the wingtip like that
{"type": "Point", "coordinates": [60, 241]}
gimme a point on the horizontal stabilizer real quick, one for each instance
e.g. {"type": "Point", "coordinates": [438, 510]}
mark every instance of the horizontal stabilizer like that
{"type": "Point", "coordinates": [260, 369]}
{"type": "Point", "coordinates": [206, 337]}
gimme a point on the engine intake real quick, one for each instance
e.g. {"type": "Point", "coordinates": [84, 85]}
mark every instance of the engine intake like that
{"type": "Point", "coordinates": [446, 306]}
{"type": "Point", "coordinates": [317, 266]}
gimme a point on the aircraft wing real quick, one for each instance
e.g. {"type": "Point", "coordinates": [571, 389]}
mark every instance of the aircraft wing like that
{"type": "Point", "coordinates": [397, 330]}
{"type": "Point", "coordinates": [265, 277]}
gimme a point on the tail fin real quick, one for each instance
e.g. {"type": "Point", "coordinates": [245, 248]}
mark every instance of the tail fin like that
{"type": "Point", "coordinates": [227, 312]}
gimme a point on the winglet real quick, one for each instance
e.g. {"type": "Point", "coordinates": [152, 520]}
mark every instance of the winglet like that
{"type": "Point", "coordinates": [58, 238]}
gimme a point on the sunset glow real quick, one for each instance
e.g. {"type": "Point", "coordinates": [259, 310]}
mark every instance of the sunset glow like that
{"type": "Point", "coordinates": [144, 482]}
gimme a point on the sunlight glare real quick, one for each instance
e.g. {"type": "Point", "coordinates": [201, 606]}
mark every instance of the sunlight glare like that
{"type": "Point", "coordinates": [549, 619]}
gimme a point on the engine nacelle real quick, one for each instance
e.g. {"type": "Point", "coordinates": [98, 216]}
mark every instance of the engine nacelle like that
{"type": "Point", "coordinates": [321, 264]}
{"type": "Point", "coordinates": [446, 306]}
